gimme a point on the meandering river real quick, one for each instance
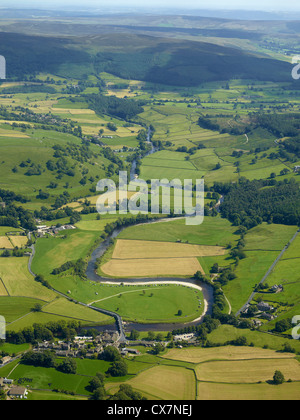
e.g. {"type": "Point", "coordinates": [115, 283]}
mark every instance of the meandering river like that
{"type": "Point", "coordinates": [92, 275]}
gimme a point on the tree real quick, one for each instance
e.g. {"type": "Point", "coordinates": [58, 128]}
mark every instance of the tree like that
{"type": "Point", "coordinates": [150, 336]}
{"type": "Point", "coordinates": [37, 307]}
{"type": "Point", "coordinates": [283, 325]}
{"type": "Point", "coordinates": [199, 276]}
{"type": "Point", "coordinates": [112, 126]}
{"type": "Point", "coordinates": [111, 354]}
{"type": "Point", "coordinates": [99, 394]}
{"type": "Point", "coordinates": [278, 378]}
{"type": "Point", "coordinates": [118, 368]}
{"type": "Point", "coordinates": [68, 366]}
{"type": "Point", "coordinates": [126, 392]}
{"type": "Point", "coordinates": [179, 313]}
{"type": "Point", "coordinates": [158, 348]}
{"type": "Point", "coordinates": [134, 335]}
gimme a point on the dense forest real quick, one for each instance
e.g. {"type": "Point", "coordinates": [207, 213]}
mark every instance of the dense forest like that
{"type": "Point", "coordinates": [281, 125]}
{"type": "Point", "coordinates": [249, 203]}
{"type": "Point", "coordinates": [125, 109]}
{"type": "Point", "coordinates": [292, 145]}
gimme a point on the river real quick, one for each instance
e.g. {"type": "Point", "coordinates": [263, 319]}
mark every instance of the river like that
{"type": "Point", "coordinates": [93, 276]}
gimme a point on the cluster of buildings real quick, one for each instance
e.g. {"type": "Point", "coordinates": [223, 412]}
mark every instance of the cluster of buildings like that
{"type": "Point", "coordinates": [86, 347]}
{"type": "Point", "coordinates": [277, 288]}
{"type": "Point", "coordinates": [42, 230]}
{"type": "Point", "coordinates": [190, 337]}
{"type": "Point", "coordinates": [264, 311]}
{"type": "Point", "coordinates": [11, 390]}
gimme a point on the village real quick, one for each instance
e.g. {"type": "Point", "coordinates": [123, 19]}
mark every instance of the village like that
{"type": "Point", "coordinates": [87, 347]}
{"type": "Point", "coordinates": [43, 230]}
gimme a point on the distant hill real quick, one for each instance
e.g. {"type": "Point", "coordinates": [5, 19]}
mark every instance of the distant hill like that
{"type": "Point", "coordinates": [131, 56]}
{"type": "Point", "coordinates": [183, 63]}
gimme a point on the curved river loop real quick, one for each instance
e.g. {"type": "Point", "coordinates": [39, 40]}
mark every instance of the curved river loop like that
{"type": "Point", "coordinates": [92, 275]}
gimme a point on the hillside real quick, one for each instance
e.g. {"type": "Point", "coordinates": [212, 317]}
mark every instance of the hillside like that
{"type": "Point", "coordinates": [150, 59]}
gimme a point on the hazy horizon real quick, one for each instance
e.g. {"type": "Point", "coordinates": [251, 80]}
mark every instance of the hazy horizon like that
{"type": "Point", "coordinates": [254, 5]}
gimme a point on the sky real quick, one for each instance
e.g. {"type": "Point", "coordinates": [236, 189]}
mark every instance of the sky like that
{"type": "Point", "coordinates": [265, 5]}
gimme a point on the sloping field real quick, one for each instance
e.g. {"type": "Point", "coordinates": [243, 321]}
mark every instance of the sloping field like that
{"type": "Point", "coordinates": [10, 133]}
{"type": "Point", "coordinates": [68, 309]}
{"type": "Point", "coordinates": [247, 371]}
{"type": "Point", "coordinates": [18, 281]}
{"type": "Point", "coordinates": [263, 391]}
{"type": "Point", "coordinates": [125, 249]}
{"type": "Point", "coordinates": [18, 241]}
{"type": "Point", "coordinates": [5, 243]}
{"type": "Point", "coordinates": [3, 291]}
{"type": "Point", "coordinates": [200, 355]}
{"type": "Point", "coordinates": [164, 382]}
{"type": "Point", "coordinates": [152, 267]}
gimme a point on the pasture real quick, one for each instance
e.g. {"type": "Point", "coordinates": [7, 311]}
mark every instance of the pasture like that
{"type": "Point", "coordinates": [155, 303]}
{"type": "Point", "coordinates": [13, 308]}
{"type": "Point", "coordinates": [50, 378]}
{"type": "Point", "coordinates": [255, 392]}
{"type": "Point", "coordinates": [247, 371]}
{"type": "Point", "coordinates": [214, 231]}
{"type": "Point", "coordinates": [65, 308]}
{"type": "Point", "coordinates": [226, 333]}
{"type": "Point", "coordinates": [163, 382]}
{"type": "Point", "coordinates": [19, 282]}
{"type": "Point", "coordinates": [199, 355]}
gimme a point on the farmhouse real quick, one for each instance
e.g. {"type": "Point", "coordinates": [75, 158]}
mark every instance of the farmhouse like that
{"type": "Point", "coordinates": [17, 392]}
{"type": "Point", "coordinates": [5, 360]}
{"type": "Point", "coordinates": [184, 337]}
{"type": "Point", "coordinates": [297, 169]}
{"type": "Point", "coordinates": [263, 306]}
{"type": "Point", "coordinates": [43, 229]}
{"type": "Point", "coordinates": [267, 316]}
{"type": "Point", "coordinates": [132, 351]}
{"type": "Point", "coordinates": [276, 288]}
{"type": "Point", "coordinates": [110, 337]}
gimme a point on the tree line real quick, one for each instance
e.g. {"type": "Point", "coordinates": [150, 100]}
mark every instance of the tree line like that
{"type": "Point", "coordinates": [250, 203]}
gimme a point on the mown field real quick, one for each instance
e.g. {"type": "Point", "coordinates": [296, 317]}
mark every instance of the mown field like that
{"type": "Point", "coordinates": [179, 374]}
{"type": "Point", "coordinates": [151, 258]}
{"type": "Point", "coordinates": [155, 303]}
{"type": "Point", "coordinates": [218, 155]}
{"type": "Point", "coordinates": [19, 294]}
{"type": "Point", "coordinates": [163, 304]}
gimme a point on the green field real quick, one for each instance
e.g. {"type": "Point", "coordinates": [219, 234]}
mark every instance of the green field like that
{"type": "Point", "coordinates": [222, 108]}
{"type": "Point", "coordinates": [155, 304]}
{"type": "Point", "coordinates": [213, 231]}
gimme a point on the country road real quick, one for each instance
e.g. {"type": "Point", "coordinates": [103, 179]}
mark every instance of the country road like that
{"type": "Point", "coordinates": [269, 271]}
